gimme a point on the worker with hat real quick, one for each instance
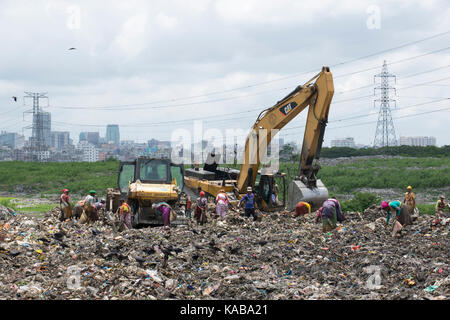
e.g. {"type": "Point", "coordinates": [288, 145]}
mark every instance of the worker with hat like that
{"type": "Point", "coordinates": [410, 199]}
{"type": "Point", "coordinates": [302, 208]}
{"type": "Point", "coordinates": [331, 213]}
{"type": "Point", "coordinates": [166, 211]}
{"type": "Point", "coordinates": [250, 204]}
{"type": "Point", "coordinates": [125, 213]}
{"type": "Point", "coordinates": [90, 212]}
{"type": "Point", "coordinates": [65, 206]}
{"type": "Point", "coordinates": [402, 214]}
{"type": "Point", "coordinates": [440, 208]}
{"type": "Point", "coordinates": [201, 208]}
{"type": "Point", "coordinates": [222, 203]}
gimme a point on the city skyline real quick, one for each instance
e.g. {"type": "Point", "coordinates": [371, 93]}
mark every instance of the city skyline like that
{"type": "Point", "coordinates": [132, 72]}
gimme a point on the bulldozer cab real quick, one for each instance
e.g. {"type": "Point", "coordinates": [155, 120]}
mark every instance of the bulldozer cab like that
{"type": "Point", "coordinates": [270, 195]}
{"type": "Point", "coordinates": [158, 171]}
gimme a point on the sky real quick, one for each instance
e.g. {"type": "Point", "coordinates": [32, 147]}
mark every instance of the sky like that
{"type": "Point", "coordinates": [154, 66]}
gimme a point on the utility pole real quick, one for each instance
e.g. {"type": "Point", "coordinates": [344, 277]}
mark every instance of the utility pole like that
{"type": "Point", "coordinates": [385, 131]}
{"type": "Point", "coordinates": [38, 145]}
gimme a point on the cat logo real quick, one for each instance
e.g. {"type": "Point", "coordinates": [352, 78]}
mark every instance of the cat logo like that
{"type": "Point", "coordinates": [287, 108]}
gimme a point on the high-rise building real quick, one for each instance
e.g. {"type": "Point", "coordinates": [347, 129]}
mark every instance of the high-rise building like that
{"type": "Point", "coordinates": [91, 137]}
{"type": "Point", "coordinates": [83, 136]}
{"type": "Point", "coordinates": [347, 142]}
{"type": "Point", "coordinates": [12, 140]}
{"type": "Point", "coordinates": [418, 141]}
{"type": "Point", "coordinates": [58, 139]}
{"type": "Point", "coordinates": [112, 134]}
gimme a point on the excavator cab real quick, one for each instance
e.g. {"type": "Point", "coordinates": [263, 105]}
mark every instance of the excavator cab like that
{"type": "Point", "coordinates": [268, 191]}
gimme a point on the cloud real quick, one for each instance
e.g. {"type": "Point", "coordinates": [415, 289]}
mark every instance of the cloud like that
{"type": "Point", "coordinates": [135, 52]}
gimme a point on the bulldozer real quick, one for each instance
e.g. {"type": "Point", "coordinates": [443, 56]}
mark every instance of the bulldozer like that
{"type": "Point", "coordinates": [144, 182]}
{"type": "Point", "coordinates": [305, 186]}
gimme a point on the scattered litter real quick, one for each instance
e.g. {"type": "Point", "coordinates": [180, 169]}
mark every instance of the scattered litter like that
{"type": "Point", "coordinates": [276, 258]}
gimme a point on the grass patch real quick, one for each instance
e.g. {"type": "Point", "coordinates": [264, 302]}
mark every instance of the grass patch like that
{"type": "Point", "coordinates": [428, 209]}
{"type": "Point", "coordinates": [51, 177]}
{"type": "Point", "coordinates": [8, 202]}
{"type": "Point", "coordinates": [41, 208]}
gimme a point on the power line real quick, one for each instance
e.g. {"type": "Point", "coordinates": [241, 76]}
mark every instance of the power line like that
{"type": "Point", "coordinates": [283, 78]}
{"type": "Point", "coordinates": [372, 122]}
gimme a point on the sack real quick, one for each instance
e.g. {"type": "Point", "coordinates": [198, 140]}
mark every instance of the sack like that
{"type": "Point", "coordinates": [173, 215]}
{"type": "Point", "coordinates": [83, 217]}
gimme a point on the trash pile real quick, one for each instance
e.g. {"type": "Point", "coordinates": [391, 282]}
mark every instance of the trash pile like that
{"type": "Point", "coordinates": [279, 257]}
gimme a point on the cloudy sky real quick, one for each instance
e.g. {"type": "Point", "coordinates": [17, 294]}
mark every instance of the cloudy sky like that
{"type": "Point", "coordinates": [154, 66]}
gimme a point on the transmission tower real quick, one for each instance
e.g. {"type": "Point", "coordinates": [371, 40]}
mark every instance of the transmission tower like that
{"type": "Point", "coordinates": [38, 145]}
{"type": "Point", "coordinates": [385, 132]}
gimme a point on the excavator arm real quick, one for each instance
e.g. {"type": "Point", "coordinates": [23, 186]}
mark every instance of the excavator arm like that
{"type": "Point", "coordinates": [318, 96]}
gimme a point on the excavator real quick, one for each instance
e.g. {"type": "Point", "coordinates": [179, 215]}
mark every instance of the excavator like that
{"type": "Point", "coordinates": [305, 186]}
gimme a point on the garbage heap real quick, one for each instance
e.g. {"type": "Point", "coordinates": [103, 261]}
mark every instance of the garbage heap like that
{"type": "Point", "coordinates": [279, 257]}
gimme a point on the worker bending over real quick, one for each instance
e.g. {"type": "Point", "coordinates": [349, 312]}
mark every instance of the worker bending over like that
{"type": "Point", "coordinates": [330, 214]}
{"type": "Point", "coordinates": [440, 208]}
{"type": "Point", "coordinates": [90, 212]}
{"type": "Point", "coordinates": [164, 209]}
{"type": "Point", "coordinates": [402, 215]}
{"type": "Point", "coordinates": [302, 208]}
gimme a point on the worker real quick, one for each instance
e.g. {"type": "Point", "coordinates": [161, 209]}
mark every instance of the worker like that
{"type": "Point", "coordinates": [89, 206]}
{"type": "Point", "coordinates": [410, 199]}
{"type": "Point", "coordinates": [78, 209]}
{"type": "Point", "coordinates": [188, 208]}
{"type": "Point", "coordinates": [100, 205]}
{"type": "Point", "coordinates": [302, 208]}
{"type": "Point", "coordinates": [440, 208]}
{"type": "Point", "coordinates": [164, 209]}
{"type": "Point", "coordinates": [200, 210]}
{"type": "Point", "coordinates": [276, 190]}
{"type": "Point", "coordinates": [331, 213]}
{"type": "Point", "coordinates": [391, 206]}
{"type": "Point", "coordinates": [402, 214]}
{"type": "Point", "coordinates": [65, 206]}
{"type": "Point", "coordinates": [125, 213]}
{"type": "Point", "coordinates": [319, 215]}
{"type": "Point", "coordinates": [250, 204]}
{"type": "Point", "coordinates": [222, 202]}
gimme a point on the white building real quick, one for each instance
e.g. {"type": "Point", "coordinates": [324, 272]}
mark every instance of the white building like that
{"type": "Point", "coordinates": [347, 142]}
{"type": "Point", "coordinates": [90, 152]}
{"type": "Point", "coordinates": [418, 141]}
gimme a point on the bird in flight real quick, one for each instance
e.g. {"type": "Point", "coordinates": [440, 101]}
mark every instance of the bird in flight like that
{"type": "Point", "coordinates": [72, 48]}
{"type": "Point", "coordinates": [15, 99]}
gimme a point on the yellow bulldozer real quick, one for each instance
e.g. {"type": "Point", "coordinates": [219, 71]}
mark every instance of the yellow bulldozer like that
{"type": "Point", "coordinates": [305, 186]}
{"type": "Point", "coordinates": [142, 183]}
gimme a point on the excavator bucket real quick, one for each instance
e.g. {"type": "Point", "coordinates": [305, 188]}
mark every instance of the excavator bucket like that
{"type": "Point", "coordinates": [298, 191]}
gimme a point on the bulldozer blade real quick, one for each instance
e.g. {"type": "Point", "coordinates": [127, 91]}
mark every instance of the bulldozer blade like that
{"type": "Point", "coordinates": [298, 191]}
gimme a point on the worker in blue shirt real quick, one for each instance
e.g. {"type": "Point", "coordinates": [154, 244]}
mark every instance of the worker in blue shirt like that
{"type": "Point", "coordinates": [250, 204]}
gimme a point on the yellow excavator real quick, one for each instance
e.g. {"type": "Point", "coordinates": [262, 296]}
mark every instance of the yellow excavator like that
{"type": "Point", "coordinates": [305, 186]}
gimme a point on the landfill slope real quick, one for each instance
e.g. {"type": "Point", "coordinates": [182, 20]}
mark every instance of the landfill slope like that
{"type": "Point", "coordinates": [279, 257]}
